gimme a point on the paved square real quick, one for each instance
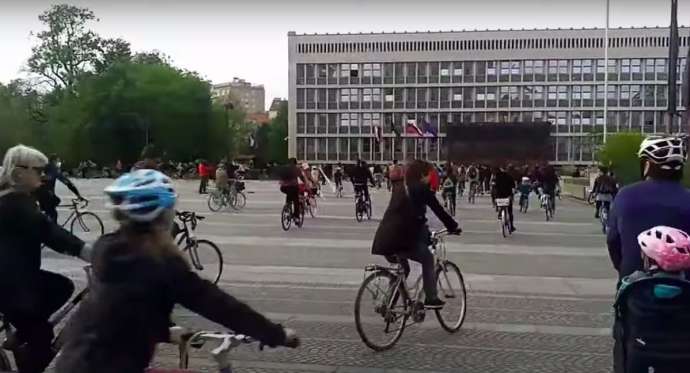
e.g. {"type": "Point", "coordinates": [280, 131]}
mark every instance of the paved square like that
{"type": "Point", "coordinates": [539, 301]}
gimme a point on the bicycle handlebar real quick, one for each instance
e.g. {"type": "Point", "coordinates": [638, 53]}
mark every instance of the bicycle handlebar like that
{"type": "Point", "coordinates": [81, 203]}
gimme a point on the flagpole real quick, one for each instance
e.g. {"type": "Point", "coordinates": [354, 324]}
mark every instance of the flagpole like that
{"type": "Point", "coordinates": [606, 72]}
{"type": "Point", "coordinates": [672, 68]}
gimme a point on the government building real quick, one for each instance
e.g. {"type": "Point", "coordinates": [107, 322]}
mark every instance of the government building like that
{"type": "Point", "coordinates": [352, 96]}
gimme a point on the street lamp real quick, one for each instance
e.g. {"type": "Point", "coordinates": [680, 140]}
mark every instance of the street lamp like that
{"type": "Point", "coordinates": [228, 106]}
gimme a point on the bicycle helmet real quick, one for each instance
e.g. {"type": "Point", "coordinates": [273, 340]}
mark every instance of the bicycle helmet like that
{"type": "Point", "coordinates": [141, 195]}
{"type": "Point", "coordinates": [668, 247]}
{"type": "Point", "coordinates": [664, 150]}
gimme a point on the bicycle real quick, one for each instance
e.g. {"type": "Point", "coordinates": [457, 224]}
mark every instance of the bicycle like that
{"type": "Point", "coordinates": [234, 197]}
{"type": "Point", "coordinates": [502, 204]}
{"type": "Point", "coordinates": [547, 205]}
{"type": "Point", "coordinates": [84, 224]}
{"type": "Point", "coordinates": [449, 201]}
{"type": "Point", "coordinates": [310, 203]}
{"type": "Point", "coordinates": [394, 304]}
{"type": "Point", "coordinates": [472, 194]}
{"type": "Point", "coordinates": [287, 215]}
{"type": "Point", "coordinates": [190, 244]}
{"type": "Point", "coordinates": [339, 190]}
{"type": "Point", "coordinates": [603, 212]}
{"type": "Point", "coordinates": [362, 206]}
{"type": "Point", "coordinates": [524, 203]}
{"type": "Point", "coordinates": [11, 341]}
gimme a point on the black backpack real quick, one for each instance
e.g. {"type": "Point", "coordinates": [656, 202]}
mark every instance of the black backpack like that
{"type": "Point", "coordinates": [652, 326]}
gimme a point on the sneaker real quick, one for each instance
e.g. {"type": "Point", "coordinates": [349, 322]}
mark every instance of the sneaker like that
{"type": "Point", "coordinates": [434, 303]}
{"type": "Point", "coordinates": [512, 230]}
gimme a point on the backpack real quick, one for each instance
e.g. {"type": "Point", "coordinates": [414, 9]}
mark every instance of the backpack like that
{"type": "Point", "coordinates": [652, 325]}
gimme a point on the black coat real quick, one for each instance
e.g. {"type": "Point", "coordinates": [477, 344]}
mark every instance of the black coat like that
{"type": "Point", "coordinates": [405, 219]}
{"type": "Point", "coordinates": [23, 231]}
{"type": "Point", "coordinates": [129, 305]}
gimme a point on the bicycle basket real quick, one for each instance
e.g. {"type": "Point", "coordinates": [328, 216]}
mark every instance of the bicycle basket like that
{"type": "Point", "coordinates": [502, 202]}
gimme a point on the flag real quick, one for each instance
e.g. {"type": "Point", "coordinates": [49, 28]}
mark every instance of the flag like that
{"type": "Point", "coordinates": [429, 130]}
{"type": "Point", "coordinates": [412, 128]}
{"type": "Point", "coordinates": [378, 134]}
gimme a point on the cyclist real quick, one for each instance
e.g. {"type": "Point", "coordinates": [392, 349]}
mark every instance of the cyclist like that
{"type": "Point", "coordinates": [504, 187]}
{"type": "Point", "coordinates": [605, 188]}
{"type": "Point", "coordinates": [525, 188]}
{"type": "Point", "coordinates": [338, 176]}
{"type": "Point", "coordinates": [549, 183]}
{"type": "Point", "coordinates": [378, 175]}
{"type": "Point", "coordinates": [139, 276]}
{"type": "Point", "coordinates": [660, 199]}
{"type": "Point", "coordinates": [449, 185]}
{"type": "Point", "coordinates": [473, 178]}
{"type": "Point", "coordinates": [361, 178]}
{"type": "Point", "coordinates": [309, 187]}
{"type": "Point", "coordinates": [316, 178]}
{"type": "Point", "coordinates": [47, 199]}
{"type": "Point", "coordinates": [462, 177]}
{"type": "Point", "coordinates": [222, 182]}
{"type": "Point", "coordinates": [403, 232]}
{"type": "Point", "coordinates": [30, 295]}
{"type": "Point", "coordinates": [289, 185]}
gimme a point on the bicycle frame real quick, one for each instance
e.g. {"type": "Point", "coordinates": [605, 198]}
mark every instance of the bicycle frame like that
{"type": "Point", "coordinates": [75, 210]}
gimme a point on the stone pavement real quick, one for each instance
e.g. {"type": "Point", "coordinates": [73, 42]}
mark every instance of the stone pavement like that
{"type": "Point", "coordinates": [539, 301]}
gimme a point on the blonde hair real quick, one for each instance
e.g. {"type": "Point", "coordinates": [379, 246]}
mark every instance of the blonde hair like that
{"type": "Point", "coordinates": [19, 155]}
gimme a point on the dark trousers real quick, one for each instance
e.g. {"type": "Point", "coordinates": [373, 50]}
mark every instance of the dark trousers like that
{"type": "Point", "coordinates": [292, 196]}
{"type": "Point", "coordinates": [599, 204]}
{"type": "Point", "coordinates": [48, 202]}
{"type": "Point", "coordinates": [363, 189]}
{"type": "Point", "coordinates": [423, 256]}
{"type": "Point", "coordinates": [203, 184]}
{"type": "Point", "coordinates": [28, 309]}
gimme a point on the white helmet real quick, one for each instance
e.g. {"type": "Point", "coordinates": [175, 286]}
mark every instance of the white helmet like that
{"type": "Point", "coordinates": [664, 150]}
{"type": "Point", "coordinates": [141, 195]}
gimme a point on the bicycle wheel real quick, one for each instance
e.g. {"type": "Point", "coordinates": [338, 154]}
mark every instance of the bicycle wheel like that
{"type": "Point", "coordinates": [369, 214]}
{"type": "Point", "coordinates": [503, 222]}
{"type": "Point", "coordinates": [216, 201]}
{"type": "Point", "coordinates": [604, 216]}
{"type": "Point", "coordinates": [206, 259]}
{"type": "Point", "coordinates": [286, 217]}
{"type": "Point", "coordinates": [87, 226]}
{"type": "Point", "coordinates": [359, 212]}
{"type": "Point", "coordinates": [239, 201]}
{"type": "Point", "coordinates": [451, 289]}
{"type": "Point", "coordinates": [300, 220]}
{"type": "Point", "coordinates": [312, 207]}
{"type": "Point", "coordinates": [380, 311]}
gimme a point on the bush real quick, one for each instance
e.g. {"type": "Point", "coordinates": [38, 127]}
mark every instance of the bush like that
{"type": "Point", "coordinates": [620, 155]}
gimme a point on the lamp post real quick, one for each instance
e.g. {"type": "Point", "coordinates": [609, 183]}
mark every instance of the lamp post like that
{"type": "Point", "coordinates": [606, 72]}
{"type": "Point", "coordinates": [228, 106]}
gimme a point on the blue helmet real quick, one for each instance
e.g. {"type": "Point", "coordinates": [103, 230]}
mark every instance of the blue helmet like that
{"type": "Point", "coordinates": [141, 195]}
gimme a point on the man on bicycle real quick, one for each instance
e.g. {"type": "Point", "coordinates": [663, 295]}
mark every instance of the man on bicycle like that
{"type": "Point", "coordinates": [338, 176]}
{"type": "Point", "coordinates": [504, 188]}
{"type": "Point", "coordinates": [47, 199]}
{"type": "Point", "coordinates": [473, 178]}
{"type": "Point", "coordinates": [605, 188]}
{"type": "Point", "coordinates": [289, 185]}
{"type": "Point", "coordinates": [549, 183]}
{"type": "Point", "coordinates": [361, 178]}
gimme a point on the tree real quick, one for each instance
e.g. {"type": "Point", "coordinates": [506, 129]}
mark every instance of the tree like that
{"type": "Point", "coordinates": [67, 49]}
{"type": "Point", "coordinates": [112, 51]}
{"type": "Point", "coordinates": [16, 125]}
{"type": "Point", "coordinates": [277, 136]}
{"type": "Point", "coordinates": [620, 154]}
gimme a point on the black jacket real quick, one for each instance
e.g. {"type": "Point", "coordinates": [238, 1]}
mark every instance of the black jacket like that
{"type": "Point", "coordinates": [405, 219]}
{"type": "Point", "coordinates": [128, 310]}
{"type": "Point", "coordinates": [361, 175]}
{"type": "Point", "coordinates": [23, 229]}
{"type": "Point", "coordinates": [504, 185]}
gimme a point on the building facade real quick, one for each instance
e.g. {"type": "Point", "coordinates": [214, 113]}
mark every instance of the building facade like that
{"type": "Point", "coordinates": [251, 98]}
{"type": "Point", "coordinates": [342, 87]}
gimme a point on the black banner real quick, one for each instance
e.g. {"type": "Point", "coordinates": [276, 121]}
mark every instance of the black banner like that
{"type": "Point", "coordinates": [499, 143]}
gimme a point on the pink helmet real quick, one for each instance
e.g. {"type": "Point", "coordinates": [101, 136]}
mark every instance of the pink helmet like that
{"type": "Point", "coordinates": [668, 247]}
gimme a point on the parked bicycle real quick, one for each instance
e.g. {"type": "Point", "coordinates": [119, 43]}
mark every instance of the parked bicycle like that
{"type": "Point", "coordinates": [384, 303]}
{"type": "Point", "coordinates": [502, 204]}
{"type": "Point", "coordinates": [84, 224]}
{"type": "Point", "coordinates": [204, 255]}
{"type": "Point", "coordinates": [12, 341]}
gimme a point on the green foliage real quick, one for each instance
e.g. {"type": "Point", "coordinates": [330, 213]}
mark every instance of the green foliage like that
{"type": "Point", "coordinates": [277, 134]}
{"type": "Point", "coordinates": [16, 124]}
{"type": "Point", "coordinates": [620, 154]}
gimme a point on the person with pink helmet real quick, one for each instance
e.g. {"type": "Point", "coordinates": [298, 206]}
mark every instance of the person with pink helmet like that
{"type": "Point", "coordinates": [666, 249]}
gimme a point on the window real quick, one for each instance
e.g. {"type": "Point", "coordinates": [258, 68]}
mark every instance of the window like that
{"type": "Point", "coordinates": [366, 95]}
{"type": "Point", "coordinates": [515, 68]}
{"type": "Point", "coordinates": [552, 93]}
{"type": "Point", "coordinates": [354, 70]}
{"type": "Point", "coordinates": [587, 66]}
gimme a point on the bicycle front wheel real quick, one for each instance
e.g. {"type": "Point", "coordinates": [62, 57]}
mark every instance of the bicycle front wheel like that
{"type": "Point", "coordinates": [313, 208]}
{"type": "Point", "coordinates": [359, 212]}
{"type": "Point", "coordinates": [286, 217]}
{"type": "Point", "coordinates": [239, 201]}
{"type": "Point", "coordinates": [503, 222]}
{"type": "Point", "coordinates": [206, 259]}
{"type": "Point", "coordinates": [215, 201]}
{"type": "Point", "coordinates": [380, 311]}
{"type": "Point", "coordinates": [87, 226]}
{"type": "Point", "coordinates": [451, 289]}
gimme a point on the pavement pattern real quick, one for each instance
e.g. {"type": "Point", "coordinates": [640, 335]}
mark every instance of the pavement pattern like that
{"type": "Point", "coordinates": [538, 301]}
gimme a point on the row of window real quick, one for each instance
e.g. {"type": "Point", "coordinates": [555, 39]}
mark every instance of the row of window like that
{"type": "Point", "coordinates": [524, 96]}
{"type": "Point", "coordinates": [488, 44]}
{"type": "Point", "coordinates": [562, 121]}
{"type": "Point", "coordinates": [486, 71]}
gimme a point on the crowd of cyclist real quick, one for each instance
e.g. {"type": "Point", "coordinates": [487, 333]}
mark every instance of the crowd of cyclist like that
{"type": "Point", "coordinates": [138, 274]}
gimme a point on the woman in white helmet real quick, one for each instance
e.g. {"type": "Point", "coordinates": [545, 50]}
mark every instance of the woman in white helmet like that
{"type": "Point", "coordinates": [659, 199]}
{"type": "Point", "coordinates": [138, 277]}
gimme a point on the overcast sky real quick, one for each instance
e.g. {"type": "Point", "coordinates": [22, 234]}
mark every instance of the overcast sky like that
{"type": "Point", "coordinates": [222, 39]}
